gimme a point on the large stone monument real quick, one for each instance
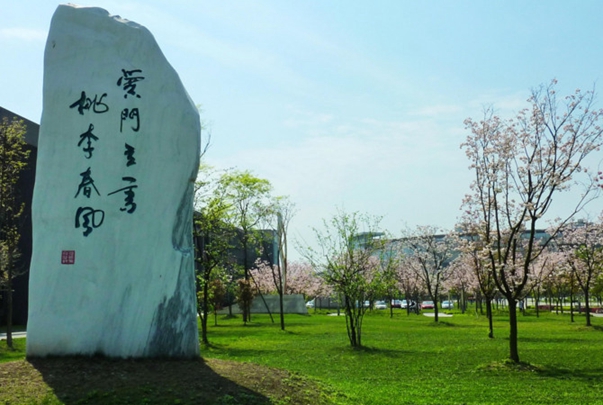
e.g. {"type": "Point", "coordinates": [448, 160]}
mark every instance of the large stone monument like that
{"type": "Point", "coordinates": [112, 267]}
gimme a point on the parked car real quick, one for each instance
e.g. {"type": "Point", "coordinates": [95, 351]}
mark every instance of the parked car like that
{"type": "Point", "coordinates": [447, 304]}
{"type": "Point", "coordinates": [427, 305]}
{"type": "Point", "coordinates": [380, 305]}
{"type": "Point", "coordinates": [396, 304]}
{"type": "Point", "coordinates": [310, 304]}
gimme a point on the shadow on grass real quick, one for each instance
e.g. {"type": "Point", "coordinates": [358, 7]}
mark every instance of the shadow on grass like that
{"type": "Point", "coordinates": [445, 323]}
{"type": "Point", "coordinates": [559, 340]}
{"type": "Point", "coordinates": [378, 351]}
{"type": "Point", "coordinates": [587, 374]}
{"type": "Point", "coordinates": [441, 324]}
{"type": "Point", "coordinates": [598, 328]}
{"type": "Point", "coordinates": [99, 380]}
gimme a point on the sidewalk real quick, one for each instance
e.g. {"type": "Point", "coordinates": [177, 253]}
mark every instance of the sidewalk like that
{"type": "Point", "coordinates": [16, 335]}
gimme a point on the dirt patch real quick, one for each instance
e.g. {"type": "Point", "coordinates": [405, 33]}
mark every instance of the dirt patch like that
{"type": "Point", "coordinates": [107, 381]}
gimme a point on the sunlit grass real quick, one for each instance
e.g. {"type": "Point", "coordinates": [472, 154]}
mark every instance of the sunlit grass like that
{"type": "Point", "coordinates": [413, 360]}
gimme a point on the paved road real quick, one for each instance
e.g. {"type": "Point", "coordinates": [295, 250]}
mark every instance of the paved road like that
{"type": "Point", "coordinates": [15, 335]}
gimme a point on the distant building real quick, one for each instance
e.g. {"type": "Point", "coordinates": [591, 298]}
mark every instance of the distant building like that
{"type": "Point", "coordinates": [26, 185]}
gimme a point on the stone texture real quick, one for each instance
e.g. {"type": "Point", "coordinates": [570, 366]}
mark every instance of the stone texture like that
{"type": "Point", "coordinates": [112, 267]}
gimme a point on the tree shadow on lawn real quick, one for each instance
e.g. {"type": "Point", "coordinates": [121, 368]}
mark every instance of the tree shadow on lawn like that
{"type": "Point", "coordinates": [379, 351]}
{"type": "Point", "coordinates": [99, 380]}
{"type": "Point", "coordinates": [441, 323]}
{"type": "Point", "coordinates": [554, 340]}
{"type": "Point", "coordinates": [598, 328]}
{"type": "Point", "coordinates": [587, 374]}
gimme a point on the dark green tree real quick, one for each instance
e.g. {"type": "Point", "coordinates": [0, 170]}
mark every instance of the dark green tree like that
{"type": "Point", "coordinates": [213, 235]}
{"type": "Point", "coordinates": [13, 159]}
{"type": "Point", "coordinates": [249, 206]}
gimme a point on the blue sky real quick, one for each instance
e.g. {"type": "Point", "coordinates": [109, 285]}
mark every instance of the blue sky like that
{"type": "Point", "coordinates": [351, 104]}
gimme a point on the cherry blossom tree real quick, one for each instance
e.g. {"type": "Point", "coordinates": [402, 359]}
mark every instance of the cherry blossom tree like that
{"type": "Point", "coordinates": [597, 290]}
{"type": "Point", "coordinates": [390, 258]}
{"type": "Point", "coordinates": [560, 283]}
{"type": "Point", "coordinates": [542, 269]}
{"type": "Point", "coordinates": [263, 273]}
{"type": "Point", "coordinates": [583, 247]}
{"type": "Point", "coordinates": [473, 257]}
{"type": "Point", "coordinates": [429, 253]}
{"type": "Point", "coordinates": [409, 283]}
{"type": "Point", "coordinates": [519, 165]}
{"type": "Point", "coordinates": [462, 279]}
{"type": "Point", "coordinates": [302, 279]}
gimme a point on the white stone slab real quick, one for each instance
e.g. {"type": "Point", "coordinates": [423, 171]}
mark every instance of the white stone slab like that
{"type": "Point", "coordinates": [112, 266]}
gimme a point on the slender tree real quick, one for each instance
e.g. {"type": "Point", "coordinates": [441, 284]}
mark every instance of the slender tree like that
{"type": "Point", "coordinates": [474, 257]}
{"type": "Point", "coordinates": [248, 201]}
{"type": "Point", "coordinates": [213, 246]}
{"type": "Point", "coordinates": [429, 254]}
{"type": "Point", "coordinates": [520, 165]}
{"type": "Point", "coordinates": [284, 209]}
{"type": "Point", "coordinates": [408, 283]}
{"type": "Point", "coordinates": [582, 244]}
{"type": "Point", "coordinates": [542, 269]}
{"type": "Point", "coordinates": [346, 259]}
{"type": "Point", "coordinates": [217, 292]}
{"type": "Point", "coordinates": [390, 258]}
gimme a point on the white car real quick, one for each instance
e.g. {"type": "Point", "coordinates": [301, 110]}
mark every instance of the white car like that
{"type": "Point", "coordinates": [447, 304]}
{"type": "Point", "coordinates": [380, 305]}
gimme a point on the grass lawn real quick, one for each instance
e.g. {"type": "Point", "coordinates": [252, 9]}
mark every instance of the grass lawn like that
{"type": "Point", "coordinates": [412, 360]}
{"type": "Point", "coordinates": [406, 360]}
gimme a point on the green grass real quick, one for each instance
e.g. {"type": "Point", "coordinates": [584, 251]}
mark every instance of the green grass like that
{"type": "Point", "coordinates": [406, 360]}
{"type": "Point", "coordinates": [16, 353]}
{"type": "Point", "coordinates": [412, 360]}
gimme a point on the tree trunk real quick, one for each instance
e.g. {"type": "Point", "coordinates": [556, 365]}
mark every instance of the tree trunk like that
{"type": "Point", "coordinates": [463, 301]}
{"type": "Point", "coordinates": [246, 308]}
{"type": "Point", "coordinates": [435, 310]}
{"type": "Point", "coordinates": [350, 323]}
{"type": "Point", "coordinates": [513, 352]}
{"type": "Point", "coordinates": [537, 299]}
{"type": "Point", "coordinates": [230, 304]}
{"type": "Point", "coordinates": [479, 302]}
{"type": "Point", "coordinates": [9, 306]}
{"type": "Point", "coordinates": [282, 308]}
{"type": "Point", "coordinates": [587, 306]}
{"type": "Point", "coordinates": [571, 306]}
{"type": "Point", "coordinates": [489, 316]}
{"type": "Point", "coordinates": [205, 312]}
